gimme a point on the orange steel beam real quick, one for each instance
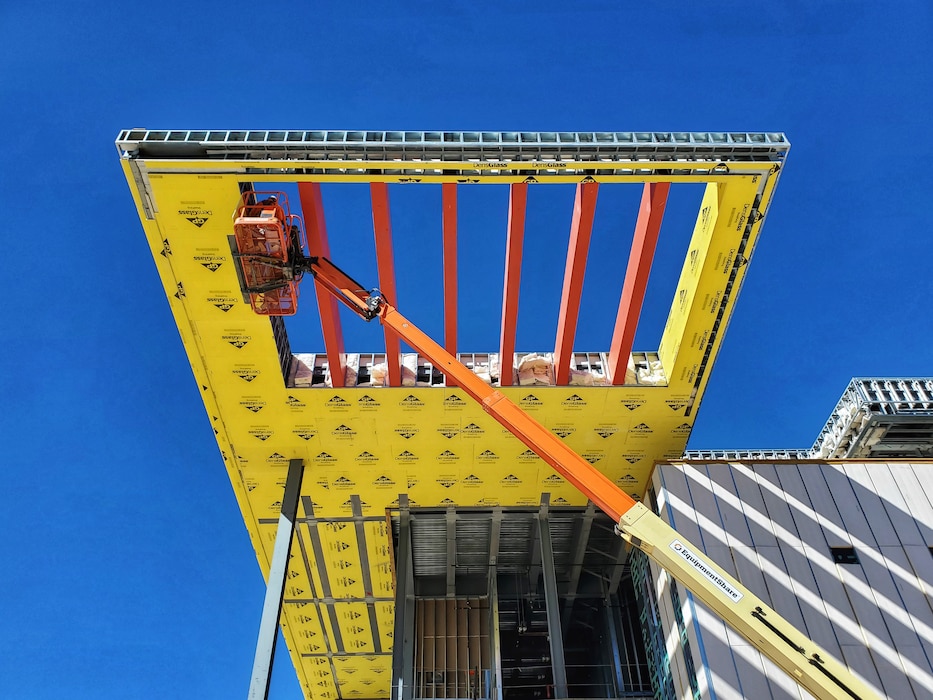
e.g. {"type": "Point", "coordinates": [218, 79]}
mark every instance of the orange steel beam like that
{"type": "Point", "coordinates": [385, 267]}
{"type": "Point", "coordinates": [312, 206]}
{"type": "Point", "coordinates": [518, 198]}
{"type": "Point", "coordinates": [584, 207]}
{"type": "Point", "coordinates": [647, 228]}
{"type": "Point", "coordinates": [449, 206]}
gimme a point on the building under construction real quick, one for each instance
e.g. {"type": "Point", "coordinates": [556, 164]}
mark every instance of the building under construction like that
{"type": "Point", "coordinates": [524, 522]}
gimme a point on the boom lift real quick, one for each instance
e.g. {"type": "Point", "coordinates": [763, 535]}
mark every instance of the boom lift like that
{"type": "Point", "coordinates": [269, 245]}
{"type": "Point", "coordinates": [272, 259]}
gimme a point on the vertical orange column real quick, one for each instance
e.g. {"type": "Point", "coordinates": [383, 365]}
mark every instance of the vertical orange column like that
{"type": "Point", "coordinates": [385, 267]}
{"type": "Point", "coordinates": [647, 228]}
{"type": "Point", "coordinates": [584, 207]}
{"type": "Point", "coordinates": [449, 205]}
{"type": "Point", "coordinates": [312, 206]}
{"type": "Point", "coordinates": [518, 197]}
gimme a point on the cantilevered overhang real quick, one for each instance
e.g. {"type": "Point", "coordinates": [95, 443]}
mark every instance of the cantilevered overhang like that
{"type": "Point", "coordinates": [365, 445]}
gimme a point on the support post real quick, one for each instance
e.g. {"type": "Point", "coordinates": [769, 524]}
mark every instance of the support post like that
{"type": "Point", "coordinates": [385, 269]}
{"type": "Point", "coordinates": [553, 610]}
{"type": "Point", "coordinates": [584, 209]}
{"type": "Point", "coordinates": [644, 242]}
{"type": "Point", "coordinates": [449, 206]}
{"type": "Point", "coordinates": [578, 548]}
{"type": "Point", "coordinates": [275, 587]}
{"type": "Point", "coordinates": [312, 206]}
{"type": "Point", "coordinates": [518, 198]}
{"type": "Point", "coordinates": [403, 648]}
{"type": "Point", "coordinates": [610, 618]}
{"type": "Point", "coordinates": [619, 555]}
{"type": "Point", "coordinates": [495, 656]}
{"type": "Point", "coordinates": [451, 552]}
{"type": "Point", "coordinates": [534, 567]}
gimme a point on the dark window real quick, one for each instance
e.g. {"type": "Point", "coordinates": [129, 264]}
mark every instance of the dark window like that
{"type": "Point", "coordinates": [844, 555]}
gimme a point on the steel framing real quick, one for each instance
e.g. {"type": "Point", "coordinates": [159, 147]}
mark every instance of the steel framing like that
{"type": "Point", "coordinates": [275, 587]}
{"type": "Point", "coordinates": [552, 603]}
{"type": "Point", "coordinates": [403, 652]}
{"type": "Point", "coordinates": [165, 169]}
{"type": "Point", "coordinates": [316, 229]}
{"type": "Point", "coordinates": [412, 145]}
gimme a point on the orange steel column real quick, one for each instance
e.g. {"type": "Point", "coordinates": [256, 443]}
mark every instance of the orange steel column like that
{"type": "Point", "coordinates": [647, 228]}
{"type": "Point", "coordinates": [312, 207]}
{"type": "Point", "coordinates": [385, 267]}
{"type": "Point", "coordinates": [449, 206]}
{"type": "Point", "coordinates": [584, 207]}
{"type": "Point", "coordinates": [518, 197]}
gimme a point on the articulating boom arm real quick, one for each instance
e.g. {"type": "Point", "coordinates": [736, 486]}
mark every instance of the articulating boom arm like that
{"type": "Point", "coordinates": [804, 661]}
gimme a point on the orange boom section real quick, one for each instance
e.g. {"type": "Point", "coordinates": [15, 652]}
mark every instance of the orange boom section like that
{"type": "Point", "coordinates": [268, 237]}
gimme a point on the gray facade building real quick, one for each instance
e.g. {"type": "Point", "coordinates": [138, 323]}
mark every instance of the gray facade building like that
{"type": "Point", "coordinates": [840, 548]}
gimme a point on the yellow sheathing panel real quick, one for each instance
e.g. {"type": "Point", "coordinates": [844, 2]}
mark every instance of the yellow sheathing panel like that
{"type": "Point", "coordinates": [703, 286]}
{"type": "Point", "coordinates": [364, 676]}
{"type": "Point", "coordinates": [433, 444]}
{"type": "Point", "coordinates": [343, 559]}
{"type": "Point", "coordinates": [379, 554]}
{"type": "Point", "coordinates": [385, 619]}
{"type": "Point", "coordinates": [437, 455]}
{"type": "Point", "coordinates": [353, 619]}
{"type": "Point", "coordinates": [306, 626]}
{"type": "Point", "coordinates": [694, 264]}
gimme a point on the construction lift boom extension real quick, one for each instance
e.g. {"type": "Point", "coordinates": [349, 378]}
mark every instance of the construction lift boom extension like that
{"type": "Point", "coordinates": [808, 664]}
{"type": "Point", "coordinates": [270, 251]}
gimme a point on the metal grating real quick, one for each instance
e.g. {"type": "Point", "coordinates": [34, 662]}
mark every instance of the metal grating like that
{"type": "Point", "coordinates": [890, 417]}
{"type": "Point", "coordinates": [724, 455]}
{"type": "Point", "coordinates": [426, 145]}
{"type": "Point", "coordinates": [876, 418]}
{"type": "Point", "coordinates": [652, 626]}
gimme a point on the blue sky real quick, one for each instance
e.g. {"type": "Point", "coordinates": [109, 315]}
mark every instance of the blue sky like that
{"type": "Point", "coordinates": [126, 569]}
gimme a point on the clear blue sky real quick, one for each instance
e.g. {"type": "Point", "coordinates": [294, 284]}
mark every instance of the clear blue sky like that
{"type": "Point", "coordinates": [125, 569]}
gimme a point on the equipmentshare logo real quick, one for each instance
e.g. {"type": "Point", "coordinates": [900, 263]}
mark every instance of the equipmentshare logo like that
{"type": "Point", "coordinates": [714, 577]}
